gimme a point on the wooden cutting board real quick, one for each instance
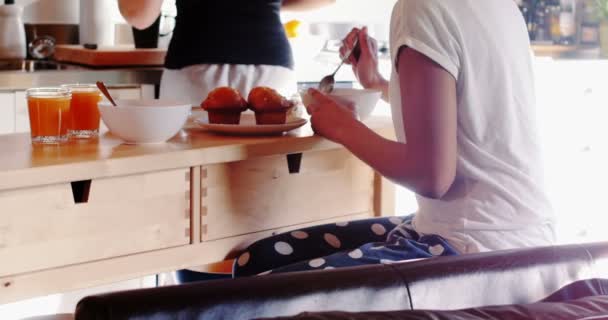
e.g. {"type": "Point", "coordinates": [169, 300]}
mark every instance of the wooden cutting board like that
{"type": "Point", "coordinates": [116, 56]}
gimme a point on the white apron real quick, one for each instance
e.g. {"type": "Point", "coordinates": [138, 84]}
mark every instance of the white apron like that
{"type": "Point", "coordinates": [193, 83]}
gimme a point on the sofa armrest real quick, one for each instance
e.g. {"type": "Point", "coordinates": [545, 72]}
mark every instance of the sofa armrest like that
{"type": "Point", "coordinates": [592, 307]}
{"type": "Point", "coordinates": [458, 282]}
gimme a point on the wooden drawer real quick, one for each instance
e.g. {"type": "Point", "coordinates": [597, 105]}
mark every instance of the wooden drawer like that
{"type": "Point", "coordinates": [260, 194]}
{"type": "Point", "coordinates": [45, 226]}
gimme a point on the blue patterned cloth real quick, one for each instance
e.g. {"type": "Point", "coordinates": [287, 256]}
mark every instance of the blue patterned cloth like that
{"type": "Point", "coordinates": [347, 244]}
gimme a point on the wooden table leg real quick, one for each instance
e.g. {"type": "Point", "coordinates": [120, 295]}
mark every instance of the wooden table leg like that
{"type": "Point", "coordinates": [384, 196]}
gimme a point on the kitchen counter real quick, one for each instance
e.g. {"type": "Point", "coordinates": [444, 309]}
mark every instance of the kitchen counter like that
{"type": "Point", "coordinates": [324, 63]}
{"type": "Point", "coordinates": [24, 165]}
{"type": "Point", "coordinates": [13, 80]}
{"type": "Point", "coordinates": [51, 73]}
{"type": "Point", "coordinates": [27, 77]}
{"type": "Point", "coordinates": [95, 212]}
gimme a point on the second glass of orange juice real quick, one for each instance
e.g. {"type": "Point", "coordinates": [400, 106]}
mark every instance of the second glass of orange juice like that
{"type": "Point", "coordinates": [84, 113]}
{"type": "Point", "coordinates": [49, 113]}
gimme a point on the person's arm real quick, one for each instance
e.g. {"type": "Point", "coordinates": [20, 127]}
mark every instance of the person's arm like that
{"type": "Point", "coordinates": [426, 164]}
{"type": "Point", "coordinates": [140, 13]}
{"type": "Point", "coordinates": [301, 5]}
{"type": "Point", "coordinates": [366, 67]}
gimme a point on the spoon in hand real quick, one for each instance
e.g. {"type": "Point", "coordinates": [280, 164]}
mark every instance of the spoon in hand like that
{"type": "Point", "coordinates": [327, 83]}
{"type": "Point", "coordinates": [104, 90]}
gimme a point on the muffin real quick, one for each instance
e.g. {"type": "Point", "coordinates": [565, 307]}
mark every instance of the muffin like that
{"type": "Point", "coordinates": [224, 105]}
{"type": "Point", "coordinates": [269, 106]}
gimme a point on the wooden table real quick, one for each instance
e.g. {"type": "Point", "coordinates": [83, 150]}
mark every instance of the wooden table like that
{"type": "Point", "coordinates": [96, 212]}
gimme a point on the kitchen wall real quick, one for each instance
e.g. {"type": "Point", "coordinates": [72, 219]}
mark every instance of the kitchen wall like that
{"type": "Point", "coordinates": [352, 10]}
{"type": "Point", "coordinates": [358, 12]}
{"type": "Point", "coordinates": [49, 11]}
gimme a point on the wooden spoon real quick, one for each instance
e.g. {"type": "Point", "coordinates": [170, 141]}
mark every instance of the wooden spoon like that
{"type": "Point", "coordinates": [104, 90]}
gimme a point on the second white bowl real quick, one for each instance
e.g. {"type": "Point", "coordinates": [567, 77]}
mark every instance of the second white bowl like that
{"type": "Point", "coordinates": [364, 100]}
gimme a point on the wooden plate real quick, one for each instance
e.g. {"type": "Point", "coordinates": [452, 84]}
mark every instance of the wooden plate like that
{"type": "Point", "coordinates": [248, 126]}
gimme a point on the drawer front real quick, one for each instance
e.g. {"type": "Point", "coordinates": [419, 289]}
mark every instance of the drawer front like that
{"type": "Point", "coordinates": [46, 227]}
{"type": "Point", "coordinates": [260, 194]}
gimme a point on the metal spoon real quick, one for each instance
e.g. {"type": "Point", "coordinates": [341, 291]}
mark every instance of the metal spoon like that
{"type": "Point", "coordinates": [104, 90]}
{"type": "Point", "coordinates": [327, 83]}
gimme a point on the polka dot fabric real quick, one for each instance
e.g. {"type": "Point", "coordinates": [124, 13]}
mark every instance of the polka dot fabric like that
{"type": "Point", "coordinates": [371, 241]}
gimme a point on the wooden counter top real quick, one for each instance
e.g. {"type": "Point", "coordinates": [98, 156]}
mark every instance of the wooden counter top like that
{"type": "Point", "coordinates": [562, 51]}
{"type": "Point", "coordinates": [23, 164]}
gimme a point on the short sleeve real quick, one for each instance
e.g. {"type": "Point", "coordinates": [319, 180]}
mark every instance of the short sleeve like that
{"type": "Point", "coordinates": [427, 27]}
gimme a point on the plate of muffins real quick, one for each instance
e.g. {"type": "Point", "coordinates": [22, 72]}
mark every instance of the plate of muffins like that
{"type": "Point", "coordinates": [271, 112]}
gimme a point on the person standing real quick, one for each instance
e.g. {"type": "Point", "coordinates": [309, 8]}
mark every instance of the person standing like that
{"type": "Point", "coordinates": [236, 43]}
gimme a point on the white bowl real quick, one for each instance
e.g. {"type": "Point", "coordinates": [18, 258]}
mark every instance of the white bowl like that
{"type": "Point", "coordinates": [144, 121]}
{"type": "Point", "coordinates": [364, 100]}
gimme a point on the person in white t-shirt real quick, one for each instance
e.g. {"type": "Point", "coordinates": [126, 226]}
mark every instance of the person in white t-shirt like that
{"type": "Point", "coordinates": [462, 97]}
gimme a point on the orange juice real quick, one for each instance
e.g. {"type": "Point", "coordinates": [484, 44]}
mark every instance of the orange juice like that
{"type": "Point", "coordinates": [83, 111]}
{"type": "Point", "coordinates": [49, 113]}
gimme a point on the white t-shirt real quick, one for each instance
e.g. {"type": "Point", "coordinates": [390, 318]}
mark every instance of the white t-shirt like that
{"type": "Point", "coordinates": [497, 200]}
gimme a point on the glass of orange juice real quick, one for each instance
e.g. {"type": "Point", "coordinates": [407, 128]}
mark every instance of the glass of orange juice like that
{"type": "Point", "coordinates": [49, 113]}
{"type": "Point", "coordinates": [84, 113]}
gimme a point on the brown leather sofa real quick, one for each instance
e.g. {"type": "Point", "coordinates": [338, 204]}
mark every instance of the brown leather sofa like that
{"type": "Point", "coordinates": [587, 308]}
{"type": "Point", "coordinates": [558, 274]}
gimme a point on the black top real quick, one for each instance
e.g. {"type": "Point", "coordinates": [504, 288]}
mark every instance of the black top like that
{"type": "Point", "coordinates": [228, 32]}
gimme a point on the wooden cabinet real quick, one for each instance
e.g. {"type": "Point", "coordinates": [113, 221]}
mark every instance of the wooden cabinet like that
{"type": "Point", "coordinates": [572, 98]}
{"type": "Point", "coordinates": [68, 223]}
{"type": "Point", "coordinates": [260, 194]}
{"type": "Point", "coordinates": [572, 113]}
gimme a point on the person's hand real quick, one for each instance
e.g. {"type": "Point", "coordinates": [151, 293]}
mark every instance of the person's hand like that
{"type": "Point", "coordinates": [366, 67]}
{"type": "Point", "coordinates": [330, 118]}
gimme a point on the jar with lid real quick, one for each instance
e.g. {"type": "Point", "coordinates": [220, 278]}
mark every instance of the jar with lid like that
{"type": "Point", "coordinates": [12, 32]}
